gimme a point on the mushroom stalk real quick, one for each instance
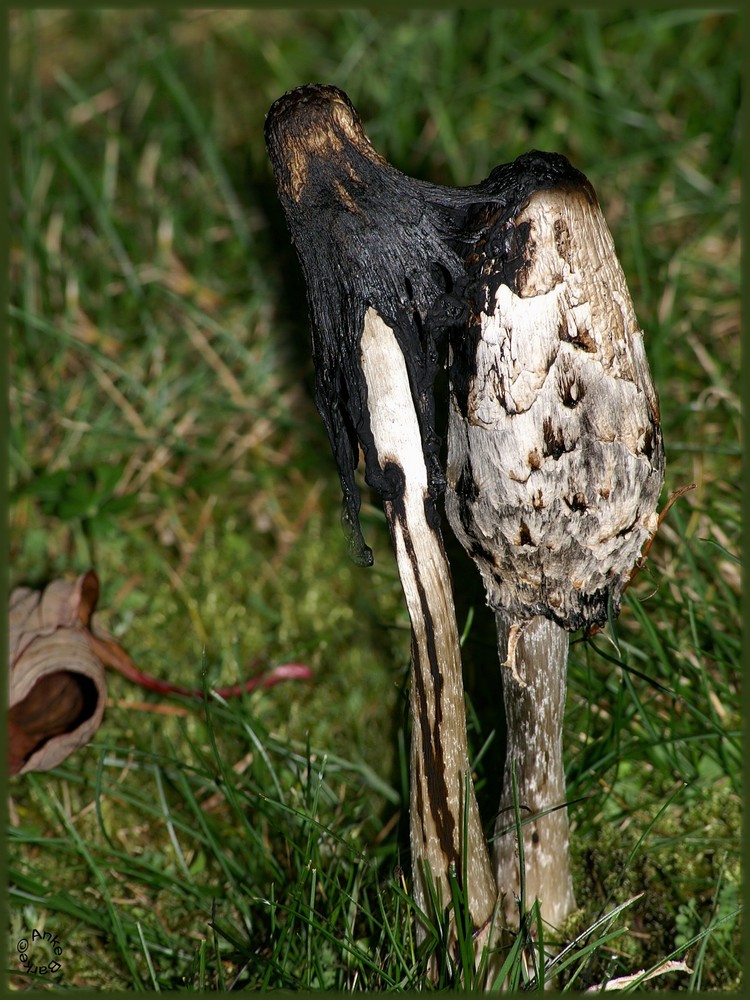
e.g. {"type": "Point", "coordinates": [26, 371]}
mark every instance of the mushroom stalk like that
{"type": "Point", "coordinates": [534, 689]}
{"type": "Point", "coordinates": [444, 839]}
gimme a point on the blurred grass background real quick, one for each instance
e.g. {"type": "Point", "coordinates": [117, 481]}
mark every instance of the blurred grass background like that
{"type": "Point", "coordinates": [163, 433]}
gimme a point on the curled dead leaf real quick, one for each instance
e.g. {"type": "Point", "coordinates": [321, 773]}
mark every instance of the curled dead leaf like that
{"type": "Point", "coordinates": [56, 692]}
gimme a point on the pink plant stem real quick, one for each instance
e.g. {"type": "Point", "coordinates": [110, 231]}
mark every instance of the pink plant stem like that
{"type": "Point", "coordinates": [114, 656]}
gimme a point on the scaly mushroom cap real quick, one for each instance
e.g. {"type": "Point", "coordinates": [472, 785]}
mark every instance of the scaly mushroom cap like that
{"type": "Point", "coordinates": [555, 455]}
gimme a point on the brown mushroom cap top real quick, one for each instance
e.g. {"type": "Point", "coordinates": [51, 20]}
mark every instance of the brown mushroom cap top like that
{"type": "Point", "coordinates": [310, 125]}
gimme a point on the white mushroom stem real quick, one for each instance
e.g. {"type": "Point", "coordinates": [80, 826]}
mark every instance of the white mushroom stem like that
{"type": "Point", "coordinates": [534, 683]}
{"type": "Point", "coordinates": [444, 836]}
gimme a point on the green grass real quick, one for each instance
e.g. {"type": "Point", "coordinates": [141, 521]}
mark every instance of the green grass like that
{"type": "Point", "coordinates": [163, 432]}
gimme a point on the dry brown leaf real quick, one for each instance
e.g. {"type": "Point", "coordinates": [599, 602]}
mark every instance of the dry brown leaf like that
{"type": "Point", "coordinates": [56, 683]}
{"type": "Point", "coordinates": [625, 982]}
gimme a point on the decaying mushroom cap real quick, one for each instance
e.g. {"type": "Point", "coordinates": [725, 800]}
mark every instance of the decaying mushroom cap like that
{"type": "Point", "coordinates": [366, 236]}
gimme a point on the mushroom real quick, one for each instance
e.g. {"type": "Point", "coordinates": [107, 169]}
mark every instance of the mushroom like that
{"type": "Point", "coordinates": [555, 459]}
{"type": "Point", "coordinates": [555, 466]}
{"type": "Point", "coordinates": [374, 249]}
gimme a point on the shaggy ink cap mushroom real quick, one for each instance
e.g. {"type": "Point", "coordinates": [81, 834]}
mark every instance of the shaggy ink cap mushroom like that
{"type": "Point", "coordinates": [366, 236]}
{"type": "Point", "coordinates": [377, 254]}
